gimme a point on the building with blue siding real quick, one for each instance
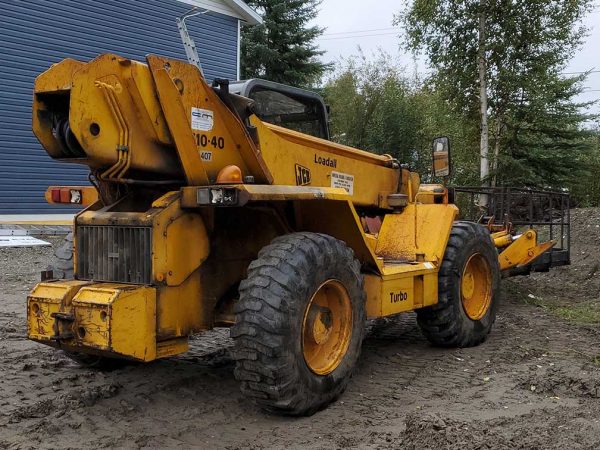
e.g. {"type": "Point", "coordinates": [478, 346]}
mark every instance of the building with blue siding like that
{"type": "Point", "coordinates": [38, 33]}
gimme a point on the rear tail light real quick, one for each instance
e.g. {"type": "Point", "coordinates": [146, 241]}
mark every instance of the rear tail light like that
{"type": "Point", "coordinates": [66, 195]}
{"type": "Point", "coordinates": [55, 195]}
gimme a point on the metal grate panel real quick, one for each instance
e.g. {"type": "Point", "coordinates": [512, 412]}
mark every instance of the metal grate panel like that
{"type": "Point", "coordinates": [546, 211]}
{"type": "Point", "coordinates": [114, 254]}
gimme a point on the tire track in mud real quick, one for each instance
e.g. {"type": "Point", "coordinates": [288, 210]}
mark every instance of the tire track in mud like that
{"type": "Point", "coordinates": [406, 394]}
{"type": "Point", "coordinates": [482, 382]}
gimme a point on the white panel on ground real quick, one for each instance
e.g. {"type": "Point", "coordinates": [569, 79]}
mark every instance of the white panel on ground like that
{"type": "Point", "coordinates": [12, 232]}
{"type": "Point", "coordinates": [22, 241]}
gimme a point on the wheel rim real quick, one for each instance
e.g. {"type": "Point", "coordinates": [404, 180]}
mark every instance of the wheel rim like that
{"type": "Point", "coordinates": [476, 287]}
{"type": "Point", "coordinates": [327, 327]}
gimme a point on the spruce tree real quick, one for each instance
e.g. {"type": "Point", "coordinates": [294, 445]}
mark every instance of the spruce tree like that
{"type": "Point", "coordinates": [282, 49]}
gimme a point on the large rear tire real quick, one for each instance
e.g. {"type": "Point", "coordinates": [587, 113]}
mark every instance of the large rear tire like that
{"type": "Point", "coordinates": [101, 363]}
{"type": "Point", "coordinates": [299, 323]}
{"type": "Point", "coordinates": [468, 290]}
{"type": "Point", "coordinates": [62, 264]}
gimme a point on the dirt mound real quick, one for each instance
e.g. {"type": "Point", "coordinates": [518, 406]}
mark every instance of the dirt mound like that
{"type": "Point", "coordinates": [556, 428]}
{"type": "Point", "coordinates": [432, 431]}
{"type": "Point", "coordinates": [563, 381]}
{"type": "Point", "coordinates": [585, 235]}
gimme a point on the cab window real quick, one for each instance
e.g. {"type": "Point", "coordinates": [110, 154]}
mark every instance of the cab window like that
{"type": "Point", "coordinates": [296, 113]}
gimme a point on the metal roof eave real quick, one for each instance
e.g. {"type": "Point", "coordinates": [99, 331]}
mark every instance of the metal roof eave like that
{"type": "Point", "coordinates": [234, 8]}
{"type": "Point", "coordinates": [251, 16]}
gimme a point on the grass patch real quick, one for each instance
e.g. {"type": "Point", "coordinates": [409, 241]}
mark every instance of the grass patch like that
{"type": "Point", "coordinates": [585, 312]}
{"type": "Point", "coordinates": [582, 312]}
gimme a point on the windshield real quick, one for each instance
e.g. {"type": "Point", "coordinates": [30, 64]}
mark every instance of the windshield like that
{"type": "Point", "coordinates": [300, 114]}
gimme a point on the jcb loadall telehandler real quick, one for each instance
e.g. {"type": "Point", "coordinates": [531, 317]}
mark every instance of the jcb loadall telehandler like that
{"type": "Point", "coordinates": [228, 206]}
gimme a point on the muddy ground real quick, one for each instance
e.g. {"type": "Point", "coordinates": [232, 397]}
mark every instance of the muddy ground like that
{"type": "Point", "coordinates": [535, 384]}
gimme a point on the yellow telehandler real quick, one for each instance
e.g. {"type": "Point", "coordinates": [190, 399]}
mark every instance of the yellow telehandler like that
{"type": "Point", "coordinates": [227, 205]}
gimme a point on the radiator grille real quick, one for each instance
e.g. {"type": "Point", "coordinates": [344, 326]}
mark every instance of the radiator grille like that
{"type": "Point", "coordinates": [114, 254]}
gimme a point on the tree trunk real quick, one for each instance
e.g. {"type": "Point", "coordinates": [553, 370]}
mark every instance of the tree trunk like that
{"type": "Point", "coordinates": [483, 101]}
{"type": "Point", "coordinates": [496, 150]}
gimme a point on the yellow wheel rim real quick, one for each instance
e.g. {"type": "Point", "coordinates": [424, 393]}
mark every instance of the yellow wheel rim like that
{"type": "Point", "coordinates": [476, 287]}
{"type": "Point", "coordinates": [327, 327]}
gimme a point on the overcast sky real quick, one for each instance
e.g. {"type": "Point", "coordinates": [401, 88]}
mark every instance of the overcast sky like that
{"type": "Point", "coordinates": [354, 23]}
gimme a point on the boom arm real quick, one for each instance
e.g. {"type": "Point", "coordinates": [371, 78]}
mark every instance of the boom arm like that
{"type": "Point", "coordinates": [161, 122]}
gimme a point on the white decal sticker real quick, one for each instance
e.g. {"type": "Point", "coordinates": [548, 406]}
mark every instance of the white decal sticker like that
{"type": "Point", "coordinates": [206, 156]}
{"type": "Point", "coordinates": [343, 180]}
{"type": "Point", "coordinates": [428, 265]}
{"type": "Point", "coordinates": [202, 119]}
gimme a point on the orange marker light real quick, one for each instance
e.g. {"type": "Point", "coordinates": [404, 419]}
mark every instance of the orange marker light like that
{"type": "Point", "coordinates": [229, 175]}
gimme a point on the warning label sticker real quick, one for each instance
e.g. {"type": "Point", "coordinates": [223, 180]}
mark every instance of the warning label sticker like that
{"type": "Point", "coordinates": [202, 119]}
{"type": "Point", "coordinates": [343, 180]}
{"type": "Point", "coordinates": [206, 156]}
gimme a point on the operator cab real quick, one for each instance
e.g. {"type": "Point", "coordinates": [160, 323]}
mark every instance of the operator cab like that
{"type": "Point", "coordinates": [289, 107]}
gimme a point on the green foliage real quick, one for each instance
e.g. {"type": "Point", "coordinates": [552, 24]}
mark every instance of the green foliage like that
{"type": "Point", "coordinates": [525, 42]}
{"type": "Point", "coordinates": [586, 312]}
{"type": "Point", "coordinates": [538, 131]}
{"type": "Point", "coordinates": [282, 49]}
{"type": "Point", "coordinates": [544, 141]}
{"type": "Point", "coordinates": [375, 107]}
{"type": "Point", "coordinates": [586, 189]}
{"type": "Point", "coordinates": [540, 134]}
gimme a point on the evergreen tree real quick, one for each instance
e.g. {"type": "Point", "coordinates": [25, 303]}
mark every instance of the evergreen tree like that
{"type": "Point", "coordinates": [282, 49]}
{"type": "Point", "coordinates": [586, 191]}
{"type": "Point", "coordinates": [544, 142]}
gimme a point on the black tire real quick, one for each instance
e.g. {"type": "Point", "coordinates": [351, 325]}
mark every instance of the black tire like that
{"type": "Point", "coordinates": [446, 324]}
{"type": "Point", "coordinates": [270, 314]}
{"type": "Point", "coordinates": [62, 264]}
{"type": "Point", "coordinates": [101, 363]}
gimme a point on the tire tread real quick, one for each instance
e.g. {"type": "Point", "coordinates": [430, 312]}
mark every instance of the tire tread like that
{"type": "Point", "coordinates": [441, 323]}
{"type": "Point", "coordinates": [274, 279]}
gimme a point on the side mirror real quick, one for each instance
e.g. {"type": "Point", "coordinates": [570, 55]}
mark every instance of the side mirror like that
{"type": "Point", "coordinates": [441, 157]}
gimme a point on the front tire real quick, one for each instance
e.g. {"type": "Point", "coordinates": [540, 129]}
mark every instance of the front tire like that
{"type": "Point", "coordinates": [299, 323]}
{"type": "Point", "coordinates": [468, 290]}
